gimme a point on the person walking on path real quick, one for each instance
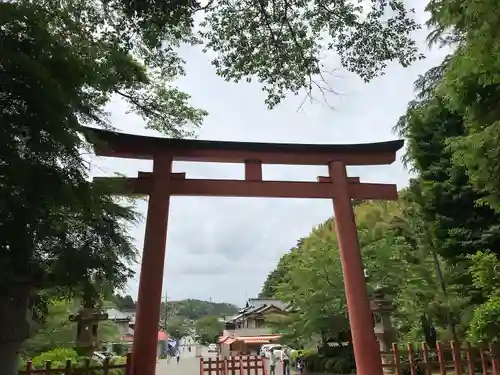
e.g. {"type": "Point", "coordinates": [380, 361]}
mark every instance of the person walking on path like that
{"type": "Point", "coordinates": [273, 359]}
{"type": "Point", "coordinates": [285, 361]}
{"type": "Point", "coordinates": [178, 355]}
{"type": "Point", "coordinates": [300, 363]}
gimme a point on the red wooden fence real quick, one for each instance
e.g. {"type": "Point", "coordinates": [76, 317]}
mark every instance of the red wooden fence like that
{"type": "Point", "coordinates": [237, 365]}
{"type": "Point", "coordinates": [414, 360]}
{"type": "Point", "coordinates": [251, 362]}
{"type": "Point", "coordinates": [70, 369]}
{"type": "Point", "coordinates": [445, 359]}
{"type": "Point", "coordinates": [212, 366]}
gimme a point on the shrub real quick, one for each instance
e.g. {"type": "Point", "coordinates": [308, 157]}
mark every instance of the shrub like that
{"type": "Point", "coordinates": [117, 361]}
{"type": "Point", "coordinates": [330, 364]}
{"type": "Point", "coordinates": [120, 349]}
{"type": "Point", "coordinates": [22, 364]}
{"type": "Point", "coordinates": [341, 366]}
{"type": "Point", "coordinates": [419, 370]}
{"type": "Point", "coordinates": [337, 360]}
{"type": "Point", "coordinates": [485, 326]}
{"type": "Point", "coordinates": [58, 358]}
{"type": "Point", "coordinates": [313, 362]}
{"type": "Point", "coordinates": [112, 361]}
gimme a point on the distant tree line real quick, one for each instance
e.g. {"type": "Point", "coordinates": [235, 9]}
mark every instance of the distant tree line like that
{"type": "Point", "coordinates": [194, 309]}
{"type": "Point", "coordinates": [124, 303]}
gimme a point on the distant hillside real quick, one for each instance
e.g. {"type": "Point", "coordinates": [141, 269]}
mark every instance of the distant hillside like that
{"type": "Point", "coordinates": [194, 309]}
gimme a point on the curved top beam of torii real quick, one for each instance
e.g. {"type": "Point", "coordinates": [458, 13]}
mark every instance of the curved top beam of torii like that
{"type": "Point", "coordinates": [122, 145]}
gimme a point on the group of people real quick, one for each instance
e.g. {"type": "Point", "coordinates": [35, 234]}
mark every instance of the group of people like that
{"type": "Point", "coordinates": [175, 352]}
{"type": "Point", "coordinates": [177, 356]}
{"type": "Point", "coordinates": [285, 362]}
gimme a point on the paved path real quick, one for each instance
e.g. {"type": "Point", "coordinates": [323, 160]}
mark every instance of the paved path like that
{"type": "Point", "coordinates": [190, 365]}
{"type": "Point", "coordinates": [186, 366]}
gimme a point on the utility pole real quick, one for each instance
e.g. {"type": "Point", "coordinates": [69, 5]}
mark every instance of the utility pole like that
{"type": "Point", "coordinates": [165, 313]}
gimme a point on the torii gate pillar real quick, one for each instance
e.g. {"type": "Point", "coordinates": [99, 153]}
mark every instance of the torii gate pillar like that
{"type": "Point", "coordinates": [366, 349]}
{"type": "Point", "coordinates": [144, 347]}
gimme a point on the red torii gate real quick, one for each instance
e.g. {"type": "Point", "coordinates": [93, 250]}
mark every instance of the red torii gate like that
{"type": "Point", "coordinates": [161, 184]}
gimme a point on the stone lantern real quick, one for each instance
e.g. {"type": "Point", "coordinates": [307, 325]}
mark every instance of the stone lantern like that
{"type": "Point", "coordinates": [382, 307]}
{"type": "Point", "coordinates": [87, 320]}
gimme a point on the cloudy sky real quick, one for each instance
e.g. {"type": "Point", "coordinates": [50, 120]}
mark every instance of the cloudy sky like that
{"type": "Point", "coordinates": [223, 248]}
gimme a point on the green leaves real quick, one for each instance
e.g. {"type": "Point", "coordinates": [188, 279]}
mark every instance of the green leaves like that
{"type": "Point", "coordinates": [286, 45]}
{"type": "Point", "coordinates": [469, 86]}
{"type": "Point", "coordinates": [398, 255]}
{"type": "Point", "coordinates": [484, 269]}
{"type": "Point", "coordinates": [449, 200]}
{"type": "Point", "coordinates": [177, 327]}
{"type": "Point", "coordinates": [62, 61]}
{"type": "Point", "coordinates": [425, 249]}
{"type": "Point", "coordinates": [209, 329]}
{"type": "Point", "coordinates": [484, 326]}
{"type": "Point", "coordinates": [165, 109]}
{"type": "Point", "coordinates": [283, 43]}
{"type": "Point", "coordinates": [130, 56]}
{"type": "Point", "coordinates": [58, 332]}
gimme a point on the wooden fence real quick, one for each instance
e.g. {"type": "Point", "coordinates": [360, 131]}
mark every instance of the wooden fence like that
{"type": "Point", "coordinates": [233, 365]}
{"type": "Point", "coordinates": [69, 369]}
{"type": "Point", "coordinates": [444, 359]}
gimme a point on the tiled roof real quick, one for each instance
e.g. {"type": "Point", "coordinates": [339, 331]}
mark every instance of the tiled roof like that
{"type": "Point", "coordinates": [259, 308]}
{"type": "Point", "coordinates": [264, 339]}
{"type": "Point", "coordinates": [222, 339]}
{"type": "Point", "coordinates": [114, 314]}
{"type": "Point", "coordinates": [257, 302]}
{"type": "Point", "coordinates": [261, 339]}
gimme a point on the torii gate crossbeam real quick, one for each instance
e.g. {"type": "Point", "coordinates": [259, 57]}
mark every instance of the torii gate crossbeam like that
{"type": "Point", "coordinates": [161, 184]}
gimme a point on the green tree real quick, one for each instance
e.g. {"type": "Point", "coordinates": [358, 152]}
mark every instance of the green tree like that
{"type": "Point", "coordinates": [484, 325]}
{"type": "Point", "coordinates": [398, 258]}
{"type": "Point", "coordinates": [283, 44]}
{"type": "Point", "coordinates": [209, 328]}
{"type": "Point", "coordinates": [58, 230]}
{"type": "Point", "coordinates": [193, 309]}
{"type": "Point", "coordinates": [448, 200]}
{"type": "Point", "coordinates": [58, 332]}
{"type": "Point", "coordinates": [452, 144]}
{"type": "Point", "coordinates": [123, 302]}
{"type": "Point", "coordinates": [317, 297]}
{"type": "Point", "coordinates": [177, 327]}
{"type": "Point", "coordinates": [278, 275]}
{"type": "Point", "coordinates": [469, 88]}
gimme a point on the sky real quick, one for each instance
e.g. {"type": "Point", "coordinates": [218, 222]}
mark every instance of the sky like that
{"type": "Point", "coordinates": [222, 249]}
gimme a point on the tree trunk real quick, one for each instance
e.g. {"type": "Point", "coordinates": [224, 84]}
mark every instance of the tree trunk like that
{"type": "Point", "coordinates": [439, 275]}
{"type": "Point", "coordinates": [9, 357]}
{"type": "Point", "coordinates": [15, 324]}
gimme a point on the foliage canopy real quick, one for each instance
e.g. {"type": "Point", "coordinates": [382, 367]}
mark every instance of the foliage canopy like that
{"type": "Point", "coordinates": [208, 329]}
{"type": "Point", "coordinates": [436, 249]}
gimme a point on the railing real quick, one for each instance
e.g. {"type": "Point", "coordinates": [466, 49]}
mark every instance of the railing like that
{"type": "Point", "coordinates": [70, 368]}
{"type": "Point", "coordinates": [238, 365]}
{"type": "Point", "coordinates": [445, 359]}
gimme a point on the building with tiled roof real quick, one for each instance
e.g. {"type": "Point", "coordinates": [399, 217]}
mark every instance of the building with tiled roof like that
{"type": "Point", "coordinates": [248, 330]}
{"type": "Point", "coordinates": [125, 320]}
